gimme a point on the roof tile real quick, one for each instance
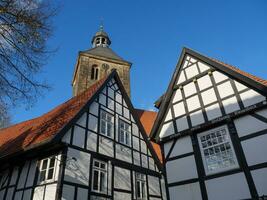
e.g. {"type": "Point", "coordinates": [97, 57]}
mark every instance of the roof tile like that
{"type": "Point", "coordinates": [34, 132]}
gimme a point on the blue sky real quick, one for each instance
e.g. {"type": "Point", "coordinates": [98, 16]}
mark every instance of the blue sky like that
{"type": "Point", "coordinates": [151, 34]}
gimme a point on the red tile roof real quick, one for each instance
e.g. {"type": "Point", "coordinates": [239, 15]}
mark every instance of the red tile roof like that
{"type": "Point", "coordinates": [255, 78]}
{"type": "Point", "coordinates": [32, 133]}
{"type": "Point", "coordinates": [147, 118]}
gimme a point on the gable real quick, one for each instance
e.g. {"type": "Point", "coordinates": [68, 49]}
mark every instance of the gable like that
{"type": "Point", "coordinates": [202, 91]}
{"type": "Point", "coordinates": [86, 130]}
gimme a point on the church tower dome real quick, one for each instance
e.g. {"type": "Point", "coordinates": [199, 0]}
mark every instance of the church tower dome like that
{"type": "Point", "coordinates": [101, 38]}
{"type": "Point", "coordinates": [97, 62]}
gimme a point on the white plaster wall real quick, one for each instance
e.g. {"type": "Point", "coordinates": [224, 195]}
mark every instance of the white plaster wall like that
{"type": "Point", "coordinates": [144, 161]}
{"type": "Point", "coordinates": [183, 145]}
{"type": "Point", "coordinates": [181, 77]}
{"type": "Point", "coordinates": [38, 193]}
{"type": "Point", "coordinates": [197, 118]}
{"type": "Point", "coordinates": [182, 123]}
{"type": "Point", "coordinates": [10, 192]}
{"type": "Point", "coordinates": [228, 187]}
{"type": "Point", "coordinates": [167, 147]}
{"type": "Point", "coordinates": [251, 97]}
{"type": "Point", "coordinates": [186, 192]}
{"type": "Point", "coordinates": [203, 67]}
{"type": "Point", "coordinates": [18, 195]}
{"type": "Point", "coordinates": [193, 103]}
{"type": "Point", "coordinates": [92, 123]}
{"type": "Point", "coordinates": [181, 169]}
{"type": "Point", "coordinates": [32, 171]}
{"type": "Point", "coordinates": [82, 193]}
{"type": "Point", "coordinates": [154, 187]}
{"type": "Point", "coordinates": [94, 108]}
{"type": "Point", "coordinates": [91, 141]}
{"type": "Point", "coordinates": [50, 192]}
{"type": "Point", "coordinates": [77, 171]}
{"type": "Point", "coordinates": [23, 175]}
{"type": "Point", "coordinates": [204, 82]}
{"type": "Point", "coordinates": [68, 192]}
{"type": "Point", "coordinates": [190, 89]}
{"type": "Point", "coordinates": [260, 180]}
{"type": "Point", "coordinates": [255, 149]}
{"type": "Point", "coordinates": [248, 124]}
{"type": "Point", "coordinates": [213, 111]}
{"type": "Point", "coordinates": [105, 146]}
{"type": "Point", "coordinates": [78, 136]}
{"type": "Point", "coordinates": [230, 105]}
{"type": "Point", "coordinates": [27, 194]}
{"type": "Point", "coordinates": [191, 71]}
{"type": "Point", "coordinates": [179, 109]}
{"type": "Point", "coordinates": [177, 96]}
{"type": "Point", "coordinates": [123, 153]}
{"type": "Point", "coordinates": [122, 196]}
{"type": "Point", "coordinates": [219, 77]}
{"type": "Point", "coordinates": [82, 120]}
{"type": "Point", "coordinates": [122, 178]}
{"type": "Point", "coordinates": [225, 89]}
{"type": "Point", "coordinates": [66, 137]}
{"type": "Point", "coordinates": [166, 130]}
{"type": "Point", "coordinates": [208, 96]}
{"type": "Point", "coordinates": [14, 176]}
{"type": "Point", "coordinates": [136, 156]}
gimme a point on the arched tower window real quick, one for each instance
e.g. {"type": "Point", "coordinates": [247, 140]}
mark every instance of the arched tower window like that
{"type": "Point", "coordinates": [94, 72]}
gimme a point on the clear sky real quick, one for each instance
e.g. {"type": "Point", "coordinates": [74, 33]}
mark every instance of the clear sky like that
{"type": "Point", "coordinates": [151, 34]}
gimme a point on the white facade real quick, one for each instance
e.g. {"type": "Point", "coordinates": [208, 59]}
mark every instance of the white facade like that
{"type": "Point", "coordinates": [214, 134]}
{"type": "Point", "coordinates": [104, 154]}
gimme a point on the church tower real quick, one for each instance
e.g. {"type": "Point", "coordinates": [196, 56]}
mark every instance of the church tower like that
{"type": "Point", "coordinates": [95, 63]}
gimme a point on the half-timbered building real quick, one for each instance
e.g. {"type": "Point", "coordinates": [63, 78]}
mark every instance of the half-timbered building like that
{"type": "Point", "coordinates": [212, 128]}
{"type": "Point", "coordinates": [93, 146]}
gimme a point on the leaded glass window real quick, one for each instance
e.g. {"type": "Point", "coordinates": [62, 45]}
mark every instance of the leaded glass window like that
{"type": "Point", "coordinates": [217, 150]}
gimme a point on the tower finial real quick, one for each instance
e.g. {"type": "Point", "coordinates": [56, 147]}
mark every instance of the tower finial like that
{"type": "Point", "coordinates": [101, 24]}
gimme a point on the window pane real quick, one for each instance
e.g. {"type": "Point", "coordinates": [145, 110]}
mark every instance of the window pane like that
{"type": "Point", "coordinates": [42, 175]}
{"type": "Point", "coordinates": [44, 166]}
{"type": "Point", "coordinates": [217, 150]}
{"type": "Point", "coordinates": [50, 173]}
{"type": "Point", "coordinates": [102, 181]}
{"type": "Point", "coordinates": [95, 180]}
{"type": "Point", "coordinates": [52, 162]}
{"type": "Point", "coordinates": [138, 189]}
{"type": "Point", "coordinates": [103, 166]}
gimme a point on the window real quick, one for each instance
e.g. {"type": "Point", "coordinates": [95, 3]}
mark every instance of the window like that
{"type": "Point", "coordinates": [217, 150]}
{"type": "Point", "coordinates": [100, 175]}
{"type": "Point", "coordinates": [47, 169]}
{"type": "Point", "coordinates": [106, 123]}
{"type": "Point", "coordinates": [124, 132]}
{"type": "Point", "coordinates": [94, 72]}
{"type": "Point", "coordinates": [140, 186]}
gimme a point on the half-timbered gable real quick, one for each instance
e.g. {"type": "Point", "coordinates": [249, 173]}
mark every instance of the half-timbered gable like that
{"type": "Point", "coordinates": [108, 133]}
{"type": "Point", "coordinates": [212, 128]}
{"type": "Point", "coordinates": [91, 147]}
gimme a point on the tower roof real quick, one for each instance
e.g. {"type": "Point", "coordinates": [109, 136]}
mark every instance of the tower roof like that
{"type": "Point", "coordinates": [101, 38]}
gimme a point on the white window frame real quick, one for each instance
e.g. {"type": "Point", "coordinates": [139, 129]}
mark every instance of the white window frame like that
{"type": "Point", "coordinates": [226, 141]}
{"type": "Point", "coordinates": [106, 124]}
{"type": "Point", "coordinates": [100, 170]}
{"type": "Point", "coordinates": [140, 182]}
{"type": "Point", "coordinates": [46, 170]}
{"type": "Point", "coordinates": [126, 133]}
